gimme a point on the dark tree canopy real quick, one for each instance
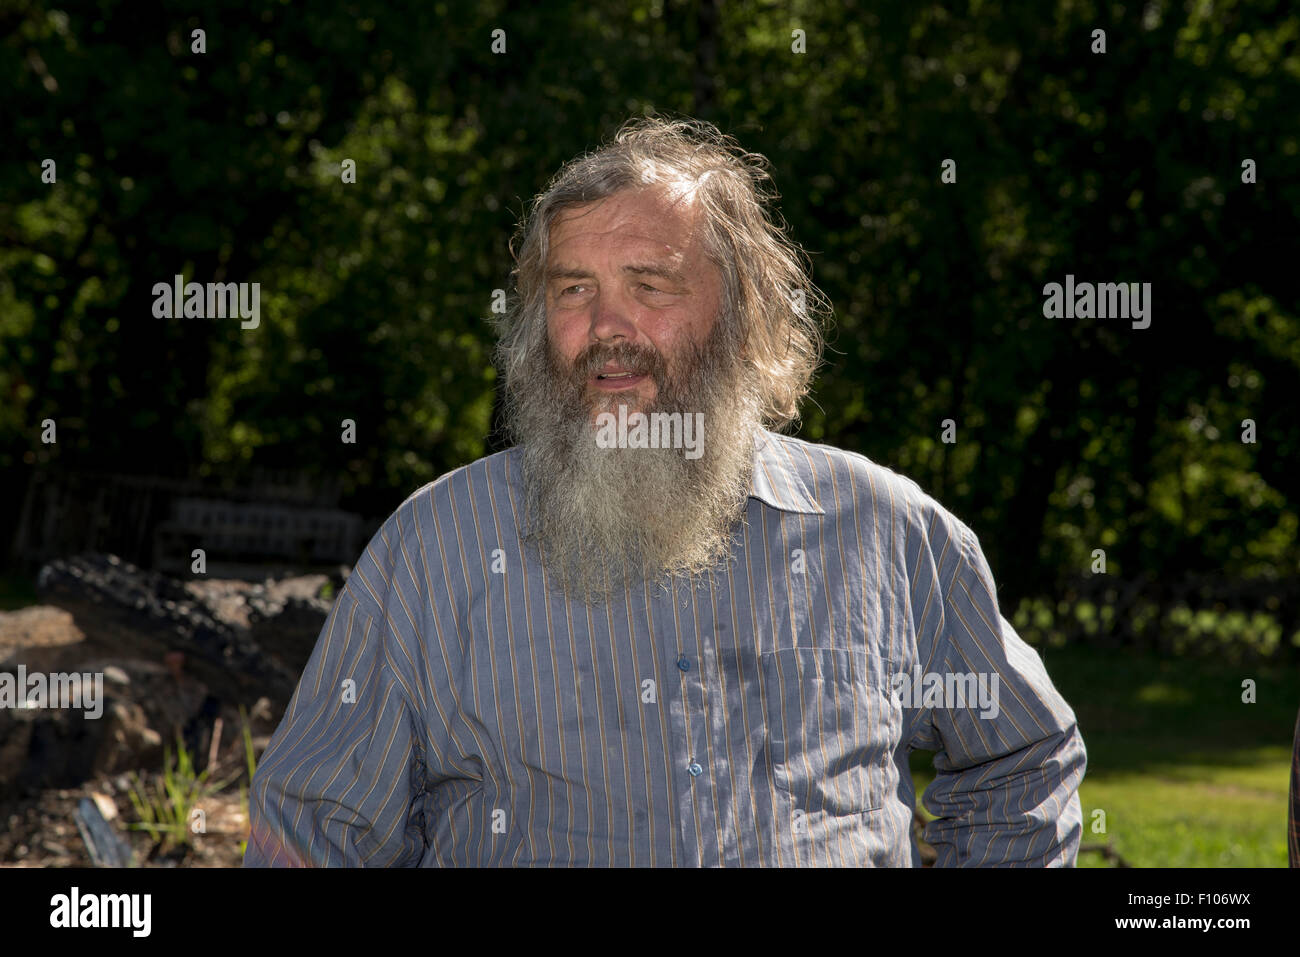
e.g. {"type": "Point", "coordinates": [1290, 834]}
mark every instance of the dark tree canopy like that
{"type": "Point", "coordinates": [1071, 434]}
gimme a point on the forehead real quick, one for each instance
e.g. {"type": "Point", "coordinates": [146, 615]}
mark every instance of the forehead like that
{"type": "Point", "coordinates": [649, 221]}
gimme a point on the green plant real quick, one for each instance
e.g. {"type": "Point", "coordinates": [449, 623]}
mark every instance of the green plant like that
{"type": "Point", "coordinates": [165, 809]}
{"type": "Point", "coordinates": [251, 761]}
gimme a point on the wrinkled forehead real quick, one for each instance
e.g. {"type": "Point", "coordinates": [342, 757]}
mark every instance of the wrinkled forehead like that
{"type": "Point", "coordinates": [665, 217]}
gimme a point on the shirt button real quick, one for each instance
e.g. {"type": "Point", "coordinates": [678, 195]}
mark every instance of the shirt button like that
{"type": "Point", "coordinates": [684, 663]}
{"type": "Point", "coordinates": [695, 769]}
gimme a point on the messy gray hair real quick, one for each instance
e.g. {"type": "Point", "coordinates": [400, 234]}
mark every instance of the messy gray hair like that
{"type": "Point", "coordinates": [770, 305]}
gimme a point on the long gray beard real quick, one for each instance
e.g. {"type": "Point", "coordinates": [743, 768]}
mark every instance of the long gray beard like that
{"type": "Point", "coordinates": [607, 519]}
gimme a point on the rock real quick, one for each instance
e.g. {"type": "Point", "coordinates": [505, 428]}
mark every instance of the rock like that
{"type": "Point", "coordinates": [106, 846]}
{"type": "Point", "coordinates": [220, 622]}
{"type": "Point", "coordinates": [159, 602]}
{"type": "Point", "coordinates": [58, 747]}
{"type": "Point", "coordinates": [15, 743]}
{"type": "Point", "coordinates": [37, 627]}
{"type": "Point", "coordinates": [175, 657]}
{"type": "Point", "coordinates": [128, 742]}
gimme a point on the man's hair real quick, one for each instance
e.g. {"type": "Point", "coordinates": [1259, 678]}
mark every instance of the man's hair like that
{"type": "Point", "coordinates": [769, 302]}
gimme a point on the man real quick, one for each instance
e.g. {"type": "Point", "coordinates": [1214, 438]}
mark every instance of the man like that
{"type": "Point", "coordinates": [694, 642]}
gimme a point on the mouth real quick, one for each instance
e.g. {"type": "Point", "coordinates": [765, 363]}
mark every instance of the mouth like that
{"type": "Point", "coordinates": [616, 380]}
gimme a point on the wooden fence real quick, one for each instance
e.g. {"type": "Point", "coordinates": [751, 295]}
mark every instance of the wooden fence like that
{"type": "Point", "coordinates": [157, 522]}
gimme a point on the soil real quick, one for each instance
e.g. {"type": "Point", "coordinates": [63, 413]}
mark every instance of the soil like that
{"type": "Point", "coordinates": [176, 685]}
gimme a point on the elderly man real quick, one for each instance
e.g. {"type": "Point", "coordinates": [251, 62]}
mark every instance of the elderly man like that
{"type": "Point", "coordinates": [654, 631]}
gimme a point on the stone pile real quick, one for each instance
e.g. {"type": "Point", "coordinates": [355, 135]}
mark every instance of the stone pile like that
{"type": "Point", "coordinates": [175, 656]}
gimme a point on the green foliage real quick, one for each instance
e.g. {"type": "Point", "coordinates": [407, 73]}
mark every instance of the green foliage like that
{"type": "Point", "coordinates": [1072, 435]}
{"type": "Point", "coordinates": [1232, 636]}
{"type": "Point", "coordinates": [250, 763]}
{"type": "Point", "coordinates": [164, 809]}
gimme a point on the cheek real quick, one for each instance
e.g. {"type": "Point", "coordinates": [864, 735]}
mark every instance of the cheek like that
{"type": "Point", "coordinates": [565, 334]}
{"type": "Point", "coordinates": [696, 323]}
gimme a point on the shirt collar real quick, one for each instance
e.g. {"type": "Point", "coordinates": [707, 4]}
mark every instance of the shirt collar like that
{"type": "Point", "coordinates": [776, 481]}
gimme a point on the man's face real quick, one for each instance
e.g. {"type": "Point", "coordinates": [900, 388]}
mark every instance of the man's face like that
{"type": "Point", "coordinates": [629, 289]}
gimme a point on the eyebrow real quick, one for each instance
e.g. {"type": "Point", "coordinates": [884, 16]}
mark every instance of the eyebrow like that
{"type": "Point", "coordinates": [563, 271]}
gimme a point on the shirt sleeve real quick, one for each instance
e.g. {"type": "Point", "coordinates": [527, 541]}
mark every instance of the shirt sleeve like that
{"type": "Point", "coordinates": [1008, 769]}
{"type": "Point", "coordinates": [340, 783]}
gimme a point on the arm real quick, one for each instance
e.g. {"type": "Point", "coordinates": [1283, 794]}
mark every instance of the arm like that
{"type": "Point", "coordinates": [341, 777]}
{"type": "Point", "coordinates": [1008, 775]}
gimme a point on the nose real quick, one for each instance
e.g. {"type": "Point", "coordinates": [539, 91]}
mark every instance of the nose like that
{"type": "Point", "coordinates": [609, 321]}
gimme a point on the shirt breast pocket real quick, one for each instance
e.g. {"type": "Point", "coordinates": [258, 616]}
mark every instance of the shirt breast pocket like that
{"type": "Point", "coordinates": [830, 724]}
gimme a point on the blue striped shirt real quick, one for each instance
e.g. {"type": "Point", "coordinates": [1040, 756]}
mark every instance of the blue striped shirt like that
{"type": "Point", "coordinates": [456, 711]}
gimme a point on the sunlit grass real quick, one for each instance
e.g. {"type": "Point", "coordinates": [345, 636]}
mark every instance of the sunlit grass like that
{"type": "Point", "coordinates": [1186, 772]}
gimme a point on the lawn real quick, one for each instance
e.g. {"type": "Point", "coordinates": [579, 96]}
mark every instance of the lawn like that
{"type": "Point", "coordinates": [1187, 774]}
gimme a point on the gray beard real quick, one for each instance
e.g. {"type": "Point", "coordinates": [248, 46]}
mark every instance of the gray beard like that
{"type": "Point", "coordinates": [603, 520]}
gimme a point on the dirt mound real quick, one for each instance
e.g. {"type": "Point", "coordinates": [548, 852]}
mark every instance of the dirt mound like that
{"type": "Point", "coordinates": [171, 659]}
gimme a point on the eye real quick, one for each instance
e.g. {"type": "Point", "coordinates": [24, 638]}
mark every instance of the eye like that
{"type": "Point", "coordinates": [569, 289]}
{"type": "Point", "coordinates": [649, 288]}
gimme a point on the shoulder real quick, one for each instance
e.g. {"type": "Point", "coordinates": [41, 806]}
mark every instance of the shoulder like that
{"type": "Point", "coordinates": [842, 480]}
{"type": "Point", "coordinates": [819, 463]}
{"type": "Point", "coordinates": [453, 494]}
{"type": "Point", "coordinates": [439, 515]}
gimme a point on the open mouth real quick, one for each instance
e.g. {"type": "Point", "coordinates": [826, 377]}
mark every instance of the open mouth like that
{"type": "Point", "coordinates": [617, 380]}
